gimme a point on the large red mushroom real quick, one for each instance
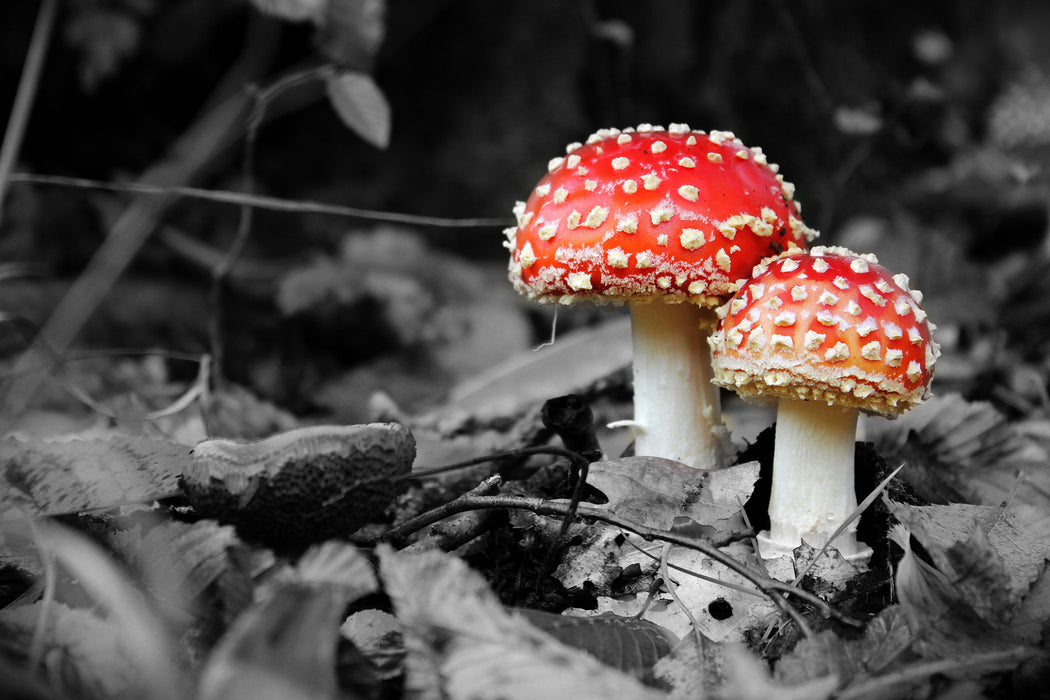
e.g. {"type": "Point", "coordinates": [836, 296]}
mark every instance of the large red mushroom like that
{"type": "Point", "coordinates": [669, 221]}
{"type": "Point", "coordinates": [827, 334]}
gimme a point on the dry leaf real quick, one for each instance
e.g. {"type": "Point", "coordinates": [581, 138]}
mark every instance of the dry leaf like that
{"type": "Point", "coordinates": [625, 643]}
{"type": "Point", "coordinates": [654, 491]}
{"type": "Point", "coordinates": [87, 656]}
{"type": "Point", "coordinates": [990, 560]}
{"type": "Point", "coordinates": [45, 477]}
{"type": "Point", "coordinates": [479, 648]}
{"type": "Point", "coordinates": [282, 648]}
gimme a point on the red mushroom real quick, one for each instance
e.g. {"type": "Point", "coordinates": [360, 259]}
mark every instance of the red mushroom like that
{"type": "Point", "coordinates": [671, 222]}
{"type": "Point", "coordinates": [828, 333]}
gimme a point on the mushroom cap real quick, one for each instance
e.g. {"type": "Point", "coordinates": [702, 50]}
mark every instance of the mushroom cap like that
{"type": "Point", "coordinates": [828, 325]}
{"type": "Point", "coordinates": [648, 213]}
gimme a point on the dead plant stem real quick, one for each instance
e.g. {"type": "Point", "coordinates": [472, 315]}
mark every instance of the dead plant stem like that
{"type": "Point", "coordinates": [27, 86]}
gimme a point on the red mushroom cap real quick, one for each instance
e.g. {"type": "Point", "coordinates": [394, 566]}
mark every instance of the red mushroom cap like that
{"type": "Point", "coordinates": [829, 325]}
{"type": "Point", "coordinates": [676, 214]}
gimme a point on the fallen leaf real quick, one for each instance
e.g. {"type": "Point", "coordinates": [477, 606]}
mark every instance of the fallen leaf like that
{"type": "Point", "coordinates": [44, 477]}
{"type": "Point", "coordinates": [576, 360]}
{"type": "Point", "coordinates": [654, 491]}
{"type": "Point", "coordinates": [377, 635]}
{"type": "Point", "coordinates": [990, 560]}
{"type": "Point", "coordinates": [87, 655]}
{"type": "Point", "coordinates": [281, 648]}
{"type": "Point", "coordinates": [625, 643]}
{"type": "Point", "coordinates": [747, 679]}
{"type": "Point", "coordinates": [481, 650]}
{"type": "Point", "coordinates": [724, 604]}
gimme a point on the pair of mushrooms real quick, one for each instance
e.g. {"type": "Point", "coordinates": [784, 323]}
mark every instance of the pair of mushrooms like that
{"type": "Point", "coordinates": [702, 238]}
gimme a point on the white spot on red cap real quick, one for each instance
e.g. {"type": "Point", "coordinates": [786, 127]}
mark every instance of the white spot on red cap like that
{"type": "Point", "coordinates": [868, 293]}
{"type": "Point", "coordinates": [596, 217]}
{"type": "Point", "coordinates": [627, 223]}
{"type": "Point", "coordinates": [838, 353]}
{"type": "Point", "coordinates": [617, 258]}
{"type": "Point", "coordinates": [914, 371]}
{"type": "Point", "coordinates": [723, 260]}
{"type": "Point", "coordinates": [827, 298]}
{"type": "Point", "coordinates": [660, 214]}
{"type": "Point", "coordinates": [692, 238]}
{"type": "Point", "coordinates": [689, 192]}
{"type": "Point", "coordinates": [526, 257]}
{"type": "Point", "coordinates": [867, 327]}
{"type": "Point", "coordinates": [578, 281]}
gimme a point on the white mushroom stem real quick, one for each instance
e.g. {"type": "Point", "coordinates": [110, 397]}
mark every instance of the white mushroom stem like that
{"type": "Point", "coordinates": [677, 414]}
{"type": "Point", "coordinates": [812, 490]}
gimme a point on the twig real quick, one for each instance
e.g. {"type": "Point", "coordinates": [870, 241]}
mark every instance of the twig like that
{"type": "Point", "coordinates": [672, 589]}
{"type": "Point", "coordinates": [258, 201]}
{"type": "Point", "coordinates": [447, 540]}
{"type": "Point", "coordinates": [996, 660]}
{"type": "Point", "coordinates": [16, 123]}
{"type": "Point", "coordinates": [56, 366]}
{"type": "Point", "coordinates": [697, 574]}
{"type": "Point", "coordinates": [221, 272]}
{"type": "Point", "coordinates": [566, 522]}
{"type": "Point", "coordinates": [186, 159]}
{"type": "Point", "coordinates": [590, 511]}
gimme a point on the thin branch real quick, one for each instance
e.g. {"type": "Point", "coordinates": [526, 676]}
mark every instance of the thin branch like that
{"type": "Point", "coordinates": [772, 589]}
{"type": "Point", "coordinates": [260, 201]}
{"type": "Point", "coordinates": [16, 124]}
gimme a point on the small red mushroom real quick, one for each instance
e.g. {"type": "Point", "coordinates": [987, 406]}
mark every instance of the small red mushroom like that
{"type": "Point", "coordinates": [670, 222]}
{"type": "Point", "coordinates": [828, 333]}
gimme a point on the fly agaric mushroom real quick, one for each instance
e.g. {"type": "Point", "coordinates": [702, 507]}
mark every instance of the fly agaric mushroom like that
{"type": "Point", "coordinates": [670, 222]}
{"type": "Point", "coordinates": [828, 333]}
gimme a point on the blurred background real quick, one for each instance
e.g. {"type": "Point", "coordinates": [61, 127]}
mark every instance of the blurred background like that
{"type": "Point", "coordinates": [917, 131]}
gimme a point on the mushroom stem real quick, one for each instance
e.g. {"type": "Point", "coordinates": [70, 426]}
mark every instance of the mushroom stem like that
{"type": "Point", "coordinates": [812, 490]}
{"type": "Point", "coordinates": [677, 413]}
